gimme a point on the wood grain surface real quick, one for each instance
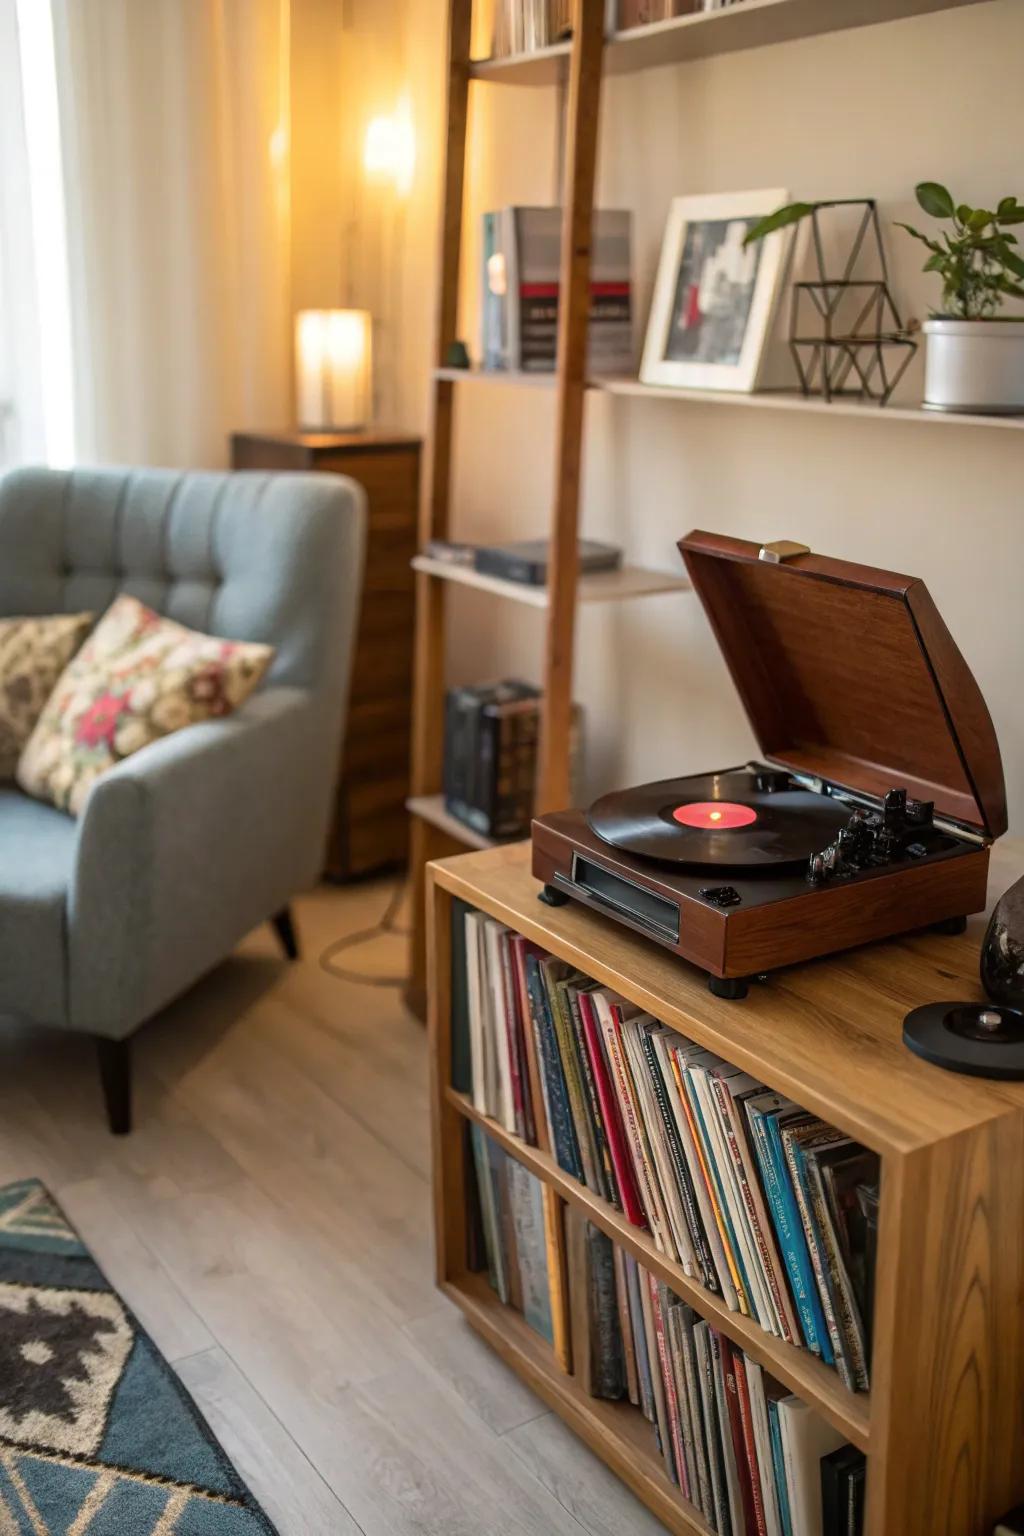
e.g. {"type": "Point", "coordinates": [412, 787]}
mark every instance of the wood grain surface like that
{"type": "Point", "coordinates": [944, 1421]}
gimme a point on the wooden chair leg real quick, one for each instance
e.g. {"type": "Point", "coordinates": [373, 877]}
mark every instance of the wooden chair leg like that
{"type": "Point", "coordinates": [284, 926]}
{"type": "Point", "coordinates": [115, 1060]}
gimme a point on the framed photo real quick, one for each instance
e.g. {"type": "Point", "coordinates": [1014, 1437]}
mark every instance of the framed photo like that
{"type": "Point", "coordinates": [714, 299]}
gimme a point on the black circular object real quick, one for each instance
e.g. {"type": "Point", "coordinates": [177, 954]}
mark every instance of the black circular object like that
{"type": "Point", "coordinates": [790, 824]}
{"type": "Point", "coordinates": [1002, 953]}
{"type": "Point", "coordinates": [977, 1039]}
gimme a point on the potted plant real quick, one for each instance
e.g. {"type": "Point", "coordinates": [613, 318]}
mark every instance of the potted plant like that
{"type": "Point", "coordinates": [975, 356]}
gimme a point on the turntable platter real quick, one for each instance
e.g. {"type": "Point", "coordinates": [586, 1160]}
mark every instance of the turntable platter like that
{"type": "Point", "coordinates": [721, 820]}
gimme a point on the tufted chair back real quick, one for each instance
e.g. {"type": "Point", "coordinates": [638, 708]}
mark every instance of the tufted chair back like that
{"type": "Point", "coordinates": [243, 556]}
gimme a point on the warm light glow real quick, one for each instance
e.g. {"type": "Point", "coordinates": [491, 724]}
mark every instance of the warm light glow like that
{"type": "Point", "coordinates": [715, 816]}
{"type": "Point", "coordinates": [333, 368]}
{"type": "Point", "coordinates": [389, 150]}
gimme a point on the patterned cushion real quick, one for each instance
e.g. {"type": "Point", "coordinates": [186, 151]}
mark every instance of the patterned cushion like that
{"type": "Point", "coordinates": [137, 678]}
{"type": "Point", "coordinates": [33, 654]}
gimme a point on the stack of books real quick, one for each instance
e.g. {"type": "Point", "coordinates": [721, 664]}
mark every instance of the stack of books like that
{"type": "Point", "coordinates": [761, 1202]}
{"type": "Point", "coordinates": [524, 26]}
{"type": "Point", "coordinates": [743, 1450]}
{"type": "Point", "coordinates": [520, 277]}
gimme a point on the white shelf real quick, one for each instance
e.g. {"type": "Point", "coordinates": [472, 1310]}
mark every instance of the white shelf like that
{"type": "Point", "coordinates": [793, 400]}
{"type": "Point", "coordinates": [764, 400]}
{"type": "Point", "coordinates": [747, 24]}
{"type": "Point", "coordinates": [601, 587]}
{"type": "Point", "coordinates": [431, 808]}
{"type": "Point", "coordinates": [543, 67]}
{"type": "Point", "coordinates": [479, 376]}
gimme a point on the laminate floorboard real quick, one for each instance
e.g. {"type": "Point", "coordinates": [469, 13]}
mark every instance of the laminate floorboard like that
{"type": "Point", "coordinates": [269, 1222]}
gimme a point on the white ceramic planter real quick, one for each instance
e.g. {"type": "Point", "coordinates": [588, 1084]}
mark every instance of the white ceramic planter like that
{"type": "Point", "coordinates": [975, 366]}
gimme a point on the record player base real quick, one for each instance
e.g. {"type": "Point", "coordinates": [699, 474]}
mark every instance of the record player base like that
{"type": "Point", "coordinates": [781, 921]}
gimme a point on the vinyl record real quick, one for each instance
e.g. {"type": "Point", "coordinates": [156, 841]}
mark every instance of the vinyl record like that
{"type": "Point", "coordinates": [977, 1039]}
{"type": "Point", "coordinates": [722, 820]}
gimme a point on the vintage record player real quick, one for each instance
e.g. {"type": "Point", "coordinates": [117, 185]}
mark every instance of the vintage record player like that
{"type": "Point", "coordinates": [871, 814]}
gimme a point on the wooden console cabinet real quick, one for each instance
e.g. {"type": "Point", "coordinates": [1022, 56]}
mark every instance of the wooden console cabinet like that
{"type": "Point", "coordinates": [370, 829]}
{"type": "Point", "coordinates": [943, 1424]}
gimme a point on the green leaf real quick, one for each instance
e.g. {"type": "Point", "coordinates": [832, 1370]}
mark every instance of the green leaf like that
{"type": "Point", "coordinates": [1014, 289]}
{"type": "Point", "coordinates": [964, 212]}
{"type": "Point", "coordinates": [792, 213]}
{"type": "Point", "coordinates": [934, 263]}
{"type": "Point", "coordinates": [934, 198]}
{"type": "Point", "coordinates": [979, 218]}
{"type": "Point", "coordinates": [931, 244]}
{"type": "Point", "coordinates": [1013, 262]}
{"type": "Point", "coordinates": [1006, 205]}
{"type": "Point", "coordinates": [1014, 216]}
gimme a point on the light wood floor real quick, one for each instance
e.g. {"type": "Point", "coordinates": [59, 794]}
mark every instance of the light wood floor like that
{"type": "Point", "coordinates": [268, 1221]}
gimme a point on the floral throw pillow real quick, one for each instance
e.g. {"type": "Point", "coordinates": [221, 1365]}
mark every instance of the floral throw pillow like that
{"type": "Point", "coordinates": [33, 654]}
{"type": "Point", "coordinates": [137, 678]}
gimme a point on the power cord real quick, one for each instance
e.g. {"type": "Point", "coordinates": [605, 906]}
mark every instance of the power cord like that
{"type": "Point", "coordinates": [385, 926]}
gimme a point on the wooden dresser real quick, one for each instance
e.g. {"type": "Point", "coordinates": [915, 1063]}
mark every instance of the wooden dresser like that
{"type": "Point", "coordinates": [370, 829]}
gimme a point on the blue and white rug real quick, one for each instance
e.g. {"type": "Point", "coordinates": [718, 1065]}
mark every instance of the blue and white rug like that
{"type": "Point", "coordinates": [97, 1434]}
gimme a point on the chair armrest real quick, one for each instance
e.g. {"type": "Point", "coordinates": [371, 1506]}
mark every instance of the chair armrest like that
{"type": "Point", "coordinates": [186, 846]}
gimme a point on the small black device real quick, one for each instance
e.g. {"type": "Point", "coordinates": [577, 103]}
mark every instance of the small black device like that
{"type": "Point", "coordinates": [976, 1039]}
{"type": "Point", "coordinates": [527, 561]}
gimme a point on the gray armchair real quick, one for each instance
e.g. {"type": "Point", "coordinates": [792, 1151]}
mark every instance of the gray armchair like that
{"type": "Point", "coordinates": [198, 838]}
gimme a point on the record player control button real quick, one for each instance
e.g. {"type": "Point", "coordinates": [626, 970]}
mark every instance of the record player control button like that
{"type": "Point", "coordinates": [988, 1018]}
{"type": "Point", "coordinates": [916, 850]}
{"type": "Point", "coordinates": [721, 895]}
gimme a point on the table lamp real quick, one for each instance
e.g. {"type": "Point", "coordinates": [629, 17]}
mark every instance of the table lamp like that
{"type": "Point", "coordinates": [333, 369]}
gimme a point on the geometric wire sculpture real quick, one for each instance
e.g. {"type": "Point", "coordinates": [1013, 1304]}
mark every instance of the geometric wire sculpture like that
{"type": "Point", "coordinates": [861, 349]}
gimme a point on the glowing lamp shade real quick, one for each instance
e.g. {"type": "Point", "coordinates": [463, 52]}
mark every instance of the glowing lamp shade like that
{"type": "Point", "coordinates": [333, 369]}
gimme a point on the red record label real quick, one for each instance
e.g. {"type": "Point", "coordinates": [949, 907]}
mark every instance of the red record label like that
{"type": "Point", "coordinates": [714, 815]}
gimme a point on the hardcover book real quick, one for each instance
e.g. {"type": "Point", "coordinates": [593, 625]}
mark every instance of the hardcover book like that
{"type": "Point", "coordinates": [521, 274]}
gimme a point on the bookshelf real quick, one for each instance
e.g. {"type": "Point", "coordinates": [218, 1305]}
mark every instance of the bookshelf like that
{"type": "Point", "coordinates": [752, 24]}
{"type": "Point", "coordinates": [581, 64]}
{"type": "Point", "coordinates": [944, 1420]}
{"type": "Point", "coordinates": [597, 587]}
{"type": "Point", "coordinates": [762, 399]}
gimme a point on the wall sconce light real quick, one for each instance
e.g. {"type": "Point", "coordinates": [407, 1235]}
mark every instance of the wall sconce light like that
{"type": "Point", "coordinates": [389, 149]}
{"type": "Point", "coordinates": [333, 369]}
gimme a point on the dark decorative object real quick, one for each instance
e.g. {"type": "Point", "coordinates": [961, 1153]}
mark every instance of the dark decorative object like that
{"type": "Point", "coordinates": [845, 333]}
{"type": "Point", "coordinates": [976, 1039]}
{"type": "Point", "coordinates": [457, 356]}
{"type": "Point", "coordinates": [91, 1414]}
{"type": "Point", "coordinates": [1002, 954]}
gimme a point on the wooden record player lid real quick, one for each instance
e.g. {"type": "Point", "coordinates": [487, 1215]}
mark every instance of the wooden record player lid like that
{"type": "Point", "coordinates": [849, 673]}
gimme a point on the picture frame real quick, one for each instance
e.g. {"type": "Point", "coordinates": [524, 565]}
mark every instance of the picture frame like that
{"type": "Point", "coordinates": [714, 300]}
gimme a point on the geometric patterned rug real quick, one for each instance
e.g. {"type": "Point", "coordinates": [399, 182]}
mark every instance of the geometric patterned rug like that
{"type": "Point", "coordinates": [98, 1436]}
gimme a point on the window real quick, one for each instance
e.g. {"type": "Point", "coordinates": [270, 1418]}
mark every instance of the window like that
{"type": "Point", "coordinates": [36, 422]}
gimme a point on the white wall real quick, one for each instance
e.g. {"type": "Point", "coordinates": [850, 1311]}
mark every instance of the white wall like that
{"type": "Point", "coordinates": [865, 112]}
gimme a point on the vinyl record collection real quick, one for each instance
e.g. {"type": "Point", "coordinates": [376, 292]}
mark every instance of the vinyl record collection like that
{"type": "Point", "coordinates": [750, 1455]}
{"type": "Point", "coordinates": [516, 1243]}
{"type": "Point", "coordinates": [764, 1204]}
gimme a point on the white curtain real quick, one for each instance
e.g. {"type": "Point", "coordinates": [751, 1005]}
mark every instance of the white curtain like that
{"type": "Point", "coordinates": [27, 253]}
{"type": "Point", "coordinates": [175, 132]}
